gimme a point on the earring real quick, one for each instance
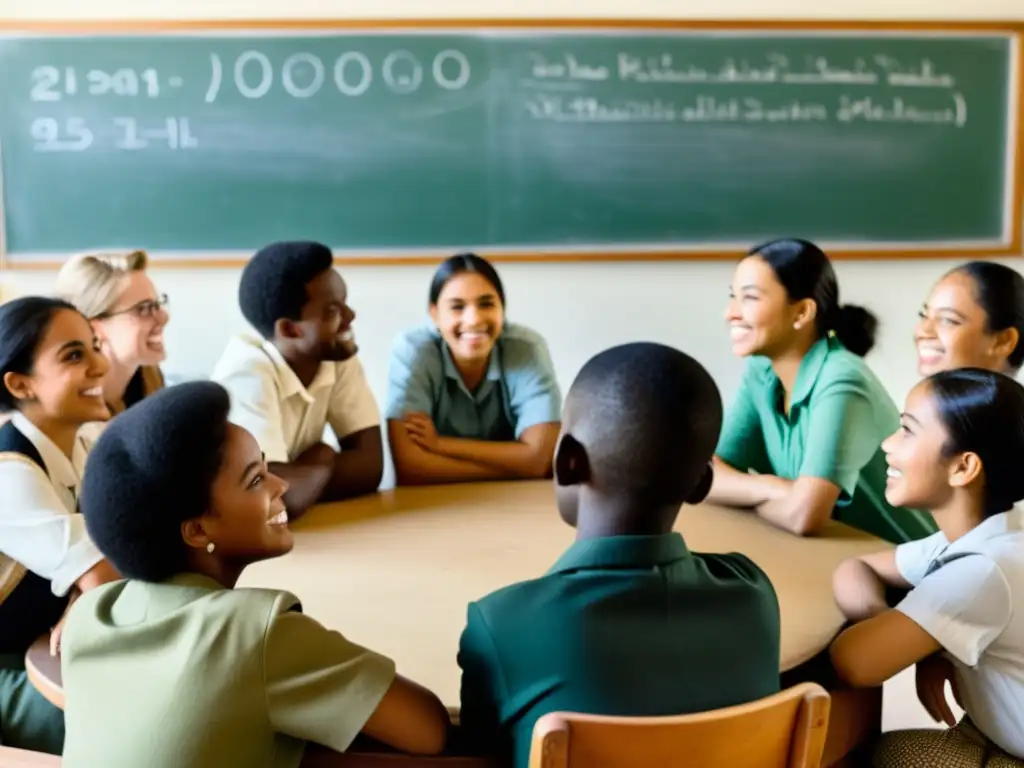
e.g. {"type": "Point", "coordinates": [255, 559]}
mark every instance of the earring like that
{"type": "Point", "coordinates": [210, 547]}
{"type": "Point", "coordinates": [796, 326]}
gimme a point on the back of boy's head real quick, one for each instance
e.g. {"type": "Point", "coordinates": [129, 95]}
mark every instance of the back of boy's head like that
{"type": "Point", "coordinates": [273, 283]}
{"type": "Point", "coordinates": [648, 418]}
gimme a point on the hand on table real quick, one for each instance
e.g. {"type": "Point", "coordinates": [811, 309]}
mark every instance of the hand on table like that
{"type": "Point", "coordinates": [931, 676]}
{"type": "Point", "coordinates": [421, 430]}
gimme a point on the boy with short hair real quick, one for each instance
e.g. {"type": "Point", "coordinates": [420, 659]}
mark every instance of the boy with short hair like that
{"type": "Point", "coordinates": [628, 621]}
{"type": "Point", "coordinates": [302, 375]}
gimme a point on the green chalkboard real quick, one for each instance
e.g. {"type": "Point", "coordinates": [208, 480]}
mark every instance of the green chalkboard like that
{"type": "Point", "coordinates": [530, 140]}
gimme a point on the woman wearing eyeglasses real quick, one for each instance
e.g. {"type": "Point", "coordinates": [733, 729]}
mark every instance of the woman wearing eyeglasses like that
{"type": "Point", "coordinates": [128, 316]}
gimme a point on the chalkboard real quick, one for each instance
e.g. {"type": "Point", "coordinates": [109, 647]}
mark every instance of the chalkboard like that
{"type": "Point", "coordinates": [524, 140]}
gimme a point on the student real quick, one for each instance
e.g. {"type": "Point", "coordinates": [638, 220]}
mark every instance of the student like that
{"type": "Point", "coordinates": [628, 621]}
{"type": "Point", "coordinates": [51, 375]}
{"type": "Point", "coordinates": [302, 375]}
{"type": "Point", "coordinates": [973, 318]}
{"type": "Point", "coordinates": [470, 396]}
{"type": "Point", "coordinates": [810, 415]}
{"type": "Point", "coordinates": [957, 454]}
{"type": "Point", "coordinates": [175, 665]}
{"type": "Point", "coordinates": [127, 314]}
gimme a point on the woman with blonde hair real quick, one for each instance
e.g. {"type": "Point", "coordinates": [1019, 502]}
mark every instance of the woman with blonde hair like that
{"type": "Point", "coordinates": [128, 315]}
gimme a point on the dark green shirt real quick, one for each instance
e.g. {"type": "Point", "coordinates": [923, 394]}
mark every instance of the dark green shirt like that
{"type": "Point", "coordinates": [625, 625]}
{"type": "Point", "coordinates": [839, 414]}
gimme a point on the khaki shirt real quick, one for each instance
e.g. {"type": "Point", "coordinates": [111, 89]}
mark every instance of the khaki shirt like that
{"type": "Point", "coordinates": [187, 673]}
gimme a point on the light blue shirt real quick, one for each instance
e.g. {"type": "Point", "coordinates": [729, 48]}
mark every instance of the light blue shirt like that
{"type": "Point", "coordinates": [519, 391]}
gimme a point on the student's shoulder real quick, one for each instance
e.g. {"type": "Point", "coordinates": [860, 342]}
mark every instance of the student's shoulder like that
{"type": "Point", "coordinates": [419, 347]}
{"type": "Point", "coordinates": [244, 355]}
{"type": "Point", "coordinates": [843, 372]}
{"type": "Point", "coordinates": [510, 603]}
{"type": "Point", "coordinates": [736, 571]}
{"type": "Point", "coordinates": [522, 345]}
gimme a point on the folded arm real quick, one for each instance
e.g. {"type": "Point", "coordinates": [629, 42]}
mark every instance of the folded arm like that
{"type": "Point", "coordinates": [417, 466]}
{"type": "Point", "coordinates": [860, 583]}
{"type": "Point", "coordinates": [529, 457]}
{"type": "Point", "coordinates": [358, 467]}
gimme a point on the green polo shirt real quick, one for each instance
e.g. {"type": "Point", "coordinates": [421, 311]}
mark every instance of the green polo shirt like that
{"type": "Point", "coordinates": [623, 625]}
{"type": "Point", "coordinates": [839, 415]}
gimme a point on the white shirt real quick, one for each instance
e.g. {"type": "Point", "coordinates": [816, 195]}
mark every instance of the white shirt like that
{"type": "Point", "coordinates": [969, 596]}
{"type": "Point", "coordinates": [39, 528]}
{"type": "Point", "coordinates": [285, 417]}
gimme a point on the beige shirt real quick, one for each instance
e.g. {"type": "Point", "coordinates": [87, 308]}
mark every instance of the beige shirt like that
{"type": "Point", "coordinates": [285, 417]}
{"type": "Point", "coordinates": [187, 673]}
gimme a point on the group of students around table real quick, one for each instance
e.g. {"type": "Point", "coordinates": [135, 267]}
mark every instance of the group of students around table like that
{"type": "Point", "coordinates": [131, 564]}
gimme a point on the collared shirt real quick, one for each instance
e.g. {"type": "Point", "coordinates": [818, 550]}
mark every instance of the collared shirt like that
{"type": "Point", "coordinates": [519, 391]}
{"type": "Point", "coordinates": [39, 528]}
{"type": "Point", "coordinates": [284, 416]}
{"type": "Point", "coordinates": [839, 414]}
{"type": "Point", "coordinates": [969, 596]}
{"type": "Point", "coordinates": [186, 672]}
{"type": "Point", "coordinates": [623, 625]}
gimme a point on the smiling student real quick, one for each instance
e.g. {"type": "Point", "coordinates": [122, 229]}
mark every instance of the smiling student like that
{"type": "Point", "coordinates": [51, 380]}
{"type": "Point", "coordinates": [303, 375]}
{"type": "Point", "coordinates": [956, 454]}
{"type": "Point", "coordinates": [114, 291]}
{"type": "Point", "coordinates": [974, 317]}
{"type": "Point", "coordinates": [175, 665]}
{"type": "Point", "coordinates": [801, 443]}
{"type": "Point", "coordinates": [470, 396]}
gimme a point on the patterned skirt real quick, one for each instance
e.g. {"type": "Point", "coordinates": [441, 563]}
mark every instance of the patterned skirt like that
{"type": "Point", "coordinates": [963, 746]}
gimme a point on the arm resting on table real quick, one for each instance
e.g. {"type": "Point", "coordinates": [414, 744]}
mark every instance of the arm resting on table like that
{"type": "Point", "coordinates": [307, 477]}
{"type": "Point", "coordinates": [733, 488]}
{"type": "Point", "coordinates": [416, 466]}
{"type": "Point", "coordinates": [410, 718]}
{"type": "Point", "coordinates": [860, 584]}
{"type": "Point", "coordinates": [804, 509]}
{"type": "Point", "coordinates": [358, 467]}
{"type": "Point", "coordinates": [529, 457]}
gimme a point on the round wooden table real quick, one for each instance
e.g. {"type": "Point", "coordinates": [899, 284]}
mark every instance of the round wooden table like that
{"type": "Point", "coordinates": [395, 571]}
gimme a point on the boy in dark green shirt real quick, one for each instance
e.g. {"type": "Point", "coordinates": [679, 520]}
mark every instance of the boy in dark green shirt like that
{"type": "Point", "coordinates": [628, 621]}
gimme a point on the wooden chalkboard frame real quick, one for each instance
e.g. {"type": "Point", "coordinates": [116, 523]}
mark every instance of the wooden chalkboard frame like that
{"type": "Point", "coordinates": [1015, 29]}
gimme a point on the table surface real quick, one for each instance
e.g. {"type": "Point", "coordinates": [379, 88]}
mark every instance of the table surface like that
{"type": "Point", "coordinates": [395, 571]}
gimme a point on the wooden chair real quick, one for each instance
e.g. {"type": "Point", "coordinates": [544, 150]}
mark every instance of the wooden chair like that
{"type": "Point", "coordinates": [786, 730]}
{"type": "Point", "coordinates": [20, 758]}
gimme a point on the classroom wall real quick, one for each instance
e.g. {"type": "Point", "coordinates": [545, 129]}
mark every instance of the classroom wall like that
{"type": "Point", "coordinates": [580, 308]}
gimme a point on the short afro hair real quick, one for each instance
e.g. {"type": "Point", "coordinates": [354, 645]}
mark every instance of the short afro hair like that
{"type": "Point", "coordinates": [273, 283]}
{"type": "Point", "coordinates": [649, 417]}
{"type": "Point", "coordinates": [152, 469]}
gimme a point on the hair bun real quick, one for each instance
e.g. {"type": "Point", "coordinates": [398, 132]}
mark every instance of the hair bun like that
{"type": "Point", "coordinates": [855, 327]}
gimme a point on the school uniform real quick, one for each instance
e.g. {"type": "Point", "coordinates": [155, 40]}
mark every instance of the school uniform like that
{"type": "Point", "coordinates": [969, 596]}
{"type": "Point", "coordinates": [284, 416]}
{"type": "Point", "coordinates": [189, 673]}
{"type": "Point", "coordinates": [519, 390]}
{"type": "Point", "coordinates": [622, 625]}
{"type": "Point", "coordinates": [44, 550]}
{"type": "Point", "coordinates": [143, 383]}
{"type": "Point", "coordinates": [839, 414]}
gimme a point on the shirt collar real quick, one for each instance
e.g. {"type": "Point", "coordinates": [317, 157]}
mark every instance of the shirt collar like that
{"type": "Point", "coordinates": [452, 372]}
{"type": "Point", "coordinates": [622, 552]}
{"type": "Point", "coordinates": [810, 368]}
{"type": "Point", "coordinates": [197, 580]}
{"type": "Point", "coordinates": [58, 466]}
{"type": "Point", "coordinates": [289, 381]}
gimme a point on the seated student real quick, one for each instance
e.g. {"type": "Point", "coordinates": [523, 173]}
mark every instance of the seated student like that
{"type": "Point", "coordinates": [302, 375]}
{"type": "Point", "coordinates": [810, 415]}
{"type": "Point", "coordinates": [628, 621]}
{"type": "Point", "coordinates": [956, 454]}
{"type": "Point", "coordinates": [51, 374]}
{"type": "Point", "coordinates": [973, 318]}
{"type": "Point", "coordinates": [127, 314]}
{"type": "Point", "coordinates": [470, 396]}
{"type": "Point", "coordinates": [175, 666]}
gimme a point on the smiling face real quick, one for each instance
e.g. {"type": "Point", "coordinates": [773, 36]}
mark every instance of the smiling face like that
{"type": "Point", "coordinates": [247, 520]}
{"type": "Point", "coordinates": [327, 318]}
{"type": "Point", "coordinates": [952, 331]}
{"type": "Point", "coordinates": [469, 316]}
{"type": "Point", "coordinates": [919, 474]}
{"type": "Point", "coordinates": [762, 320]}
{"type": "Point", "coordinates": [66, 381]}
{"type": "Point", "coordinates": [132, 332]}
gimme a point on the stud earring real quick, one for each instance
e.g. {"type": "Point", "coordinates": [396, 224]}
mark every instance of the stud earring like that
{"type": "Point", "coordinates": [210, 547]}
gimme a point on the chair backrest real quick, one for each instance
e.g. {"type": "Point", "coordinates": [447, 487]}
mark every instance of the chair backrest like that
{"type": "Point", "coordinates": [786, 730]}
{"type": "Point", "coordinates": [20, 758]}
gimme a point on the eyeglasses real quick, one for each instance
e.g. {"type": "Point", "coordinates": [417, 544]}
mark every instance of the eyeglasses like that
{"type": "Point", "coordinates": [144, 309]}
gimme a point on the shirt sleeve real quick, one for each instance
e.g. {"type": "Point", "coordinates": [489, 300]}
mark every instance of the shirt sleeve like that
{"type": "Point", "coordinates": [842, 438]}
{"type": "Point", "coordinates": [914, 557]}
{"type": "Point", "coordinates": [320, 687]}
{"type": "Point", "coordinates": [482, 689]}
{"type": "Point", "coordinates": [741, 444]}
{"type": "Point", "coordinates": [353, 407]}
{"type": "Point", "coordinates": [410, 387]}
{"type": "Point", "coordinates": [964, 605]}
{"type": "Point", "coordinates": [37, 530]}
{"type": "Point", "coordinates": [256, 407]}
{"type": "Point", "coordinates": [534, 397]}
